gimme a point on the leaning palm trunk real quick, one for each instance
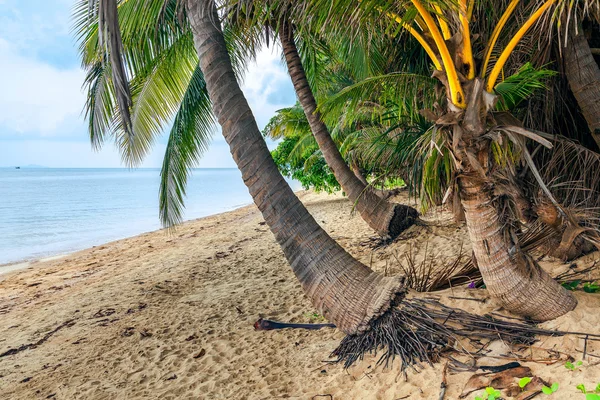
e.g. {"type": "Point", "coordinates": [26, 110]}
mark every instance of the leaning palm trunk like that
{"type": "Point", "coordinates": [358, 173]}
{"type": "Point", "coordinates": [344, 290]}
{"type": "Point", "coordinates": [387, 219]}
{"type": "Point", "coordinates": [583, 75]}
{"type": "Point", "coordinates": [511, 277]}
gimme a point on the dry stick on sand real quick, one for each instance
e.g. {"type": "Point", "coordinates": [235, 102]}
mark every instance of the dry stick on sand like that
{"type": "Point", "coordinates": [47, 336]}
{"type": "Point", "coordinates": [444, 383]}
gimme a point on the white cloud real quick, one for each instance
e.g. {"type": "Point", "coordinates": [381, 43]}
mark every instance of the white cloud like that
{"type": "Point", "coordinates": [38, 98]}
{"type": "Point", "coordinates": [41, 104]}
{"type": "Point", "coordinates": [265, 77]}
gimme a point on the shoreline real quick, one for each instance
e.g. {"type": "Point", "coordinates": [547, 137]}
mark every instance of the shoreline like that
{"type": "Point", "coordinates": [157, 316]}
{"type": "Point", "coordinates": [25, 263]}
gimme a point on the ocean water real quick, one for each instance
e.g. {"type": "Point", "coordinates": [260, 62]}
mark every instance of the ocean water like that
{"type": "Point", "coordinates": [47, 211]}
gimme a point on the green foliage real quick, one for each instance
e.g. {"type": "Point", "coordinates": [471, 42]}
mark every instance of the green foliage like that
{"type": "Point", "coordinates": [521, 85]}
{"type": "Point", "coordinates": [595, 395]}
{"type": "Point", "coordinates": [588, 287]}
{"type": "Point", "coordinates": [549, 390]}
{"type": "Point", "coordinates": [297, 155]}
{"type": "Point", "coordinates": [524, 381]}
{"type": "Point", "coordinates": [572, 367]}
{"type": "Point", "coordinates": [491, 394]}
{"type": "Point", "coordinates": [189, 138]}
{"type": "Point", "coordinates": [571, 285]}
{"type": "Point", "coordinates": [309, 167]}
{"type": "Point", "coordinates": [591, 287]}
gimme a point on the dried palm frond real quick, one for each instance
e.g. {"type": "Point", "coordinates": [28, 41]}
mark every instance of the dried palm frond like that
{"type": "Point", "coordinates": [436, 272]}
{"type": "Point", "coordinates": [420, 330]}
{"type": "Point", "coordinates": [573, 171]}
{"type": "Point", "coordinates": [573, 176]}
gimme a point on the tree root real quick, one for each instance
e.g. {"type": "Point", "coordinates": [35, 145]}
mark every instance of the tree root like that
{"type": "Point", "coordinates": [420, 330]}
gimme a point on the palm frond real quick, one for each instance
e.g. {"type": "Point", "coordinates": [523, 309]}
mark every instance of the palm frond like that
{"type": "Point", "coordinates": [188, 140]}
{"type": "Point", "coordinates": [409, 91]}
{"type": "Point", "coordinates": [521, 85]}
{"type": "Point", "coordinates": [158, 91]}
{"type": "Point", "coordinates": [99, 107]}
{"type": "Point", "coordinates": [287, 122]}
{"type": "Point", "coordinates": [110, 38]}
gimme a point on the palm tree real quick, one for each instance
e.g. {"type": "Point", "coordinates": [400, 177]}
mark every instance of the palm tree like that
{"type": "Point", "coordinates": [388, 219]}
{"type": "Point", "coordinates": [472, 132]}
{"type": "Point", "coordinates": [583, 74]}
{"type": "Point", "coordinates": [344, 290]}
{"type": "Point", "coordinates": [483, 143]}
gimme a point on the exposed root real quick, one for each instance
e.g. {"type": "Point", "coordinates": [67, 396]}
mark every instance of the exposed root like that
{"type": "Point", "coordinates": [419, 330]}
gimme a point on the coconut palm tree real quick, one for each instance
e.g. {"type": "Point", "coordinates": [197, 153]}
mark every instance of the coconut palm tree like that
{"type": "Point", "coordinates": [483, 143]}
{"type": "Point", "coordinates": [388, 219]}
{"type": "Point", "coordinates": [344, 290]}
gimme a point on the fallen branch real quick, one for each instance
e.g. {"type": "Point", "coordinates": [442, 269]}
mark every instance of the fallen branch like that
{"type": "Point", "coordinates": [268, 325]}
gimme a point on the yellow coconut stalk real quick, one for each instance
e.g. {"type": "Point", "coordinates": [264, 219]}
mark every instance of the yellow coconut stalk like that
{"type": "Point", "coordinates": [513, 43]}
{"type": "Point", "coordinates": [496, 34]}
{"type": "Point", "coordinates": [467, 54]}
{"type": "Point", "coordinates": [419, 38]}
{"type": "Point", "coordinates": [457, 96]}
{"type": "Point", "coordinates": [443, 24]}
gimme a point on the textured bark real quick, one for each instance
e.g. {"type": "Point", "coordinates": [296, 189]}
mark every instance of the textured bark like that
{"type": "Point", "coordinates": [583, 75]}
{"type": "Point", "coordinates": [346, 292]}
{"type": "Point", "coordinates": [359, 174]}
{"type": "Point", "coordinates": [387, 219]}
{"type": "Point", "coordinates": [520, 285]}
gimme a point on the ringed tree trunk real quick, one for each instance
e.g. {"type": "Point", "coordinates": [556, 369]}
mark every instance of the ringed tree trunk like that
{"type": "Point", "coordinates": [359, 173]}
{"type": "Point", "coordinates": [345, 291]}
{"type": "Point", "coordinates": [387, 219]}
{"type": "Point", "coordinates": [583, 75]}
{"type": "Point", "coordinates": [511, 277]}
{"type": "Point", "coordinates": [382, 193]}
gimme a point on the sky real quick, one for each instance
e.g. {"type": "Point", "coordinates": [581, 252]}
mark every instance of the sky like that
{"type": "Point", "coordinates": [41, 96]}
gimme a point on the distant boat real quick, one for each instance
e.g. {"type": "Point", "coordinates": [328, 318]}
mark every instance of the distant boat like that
{"type": "Point", "coordinates": [17, 167]}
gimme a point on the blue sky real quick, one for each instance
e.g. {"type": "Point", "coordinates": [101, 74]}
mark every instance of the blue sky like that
{"type": "Point", "coordinates": [41, 98]}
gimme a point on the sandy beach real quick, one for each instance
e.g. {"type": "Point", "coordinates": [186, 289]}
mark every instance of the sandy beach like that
{"type": "Point", "coordinates": [161, 316]}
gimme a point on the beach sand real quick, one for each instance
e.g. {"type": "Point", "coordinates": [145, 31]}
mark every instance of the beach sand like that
{"type": "Point", "coordinates": [162, 316]}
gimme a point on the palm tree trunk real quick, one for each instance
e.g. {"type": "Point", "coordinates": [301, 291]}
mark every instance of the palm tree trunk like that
{"type": "Point", "coordinates": [387, 219]}
{"type": "Point", "coordinates": [583, 75]}
{"type": "Point", "coordinates": [345, 291]}
{"type": "Point", "coordinates": [511, 277]}
{"type": "Point", "coordinates": [358, 173]}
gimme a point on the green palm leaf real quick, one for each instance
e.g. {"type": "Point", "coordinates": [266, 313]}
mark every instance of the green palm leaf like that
{"type": "Point", "coordinates": [188, 140]}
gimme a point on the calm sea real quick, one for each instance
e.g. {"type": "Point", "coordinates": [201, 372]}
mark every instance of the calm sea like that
{"type": "Point", "coordinates": [48, 211]}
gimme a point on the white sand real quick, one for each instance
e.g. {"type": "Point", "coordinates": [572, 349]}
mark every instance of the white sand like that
{"type": "Point", "coordinates": [171, 317]}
